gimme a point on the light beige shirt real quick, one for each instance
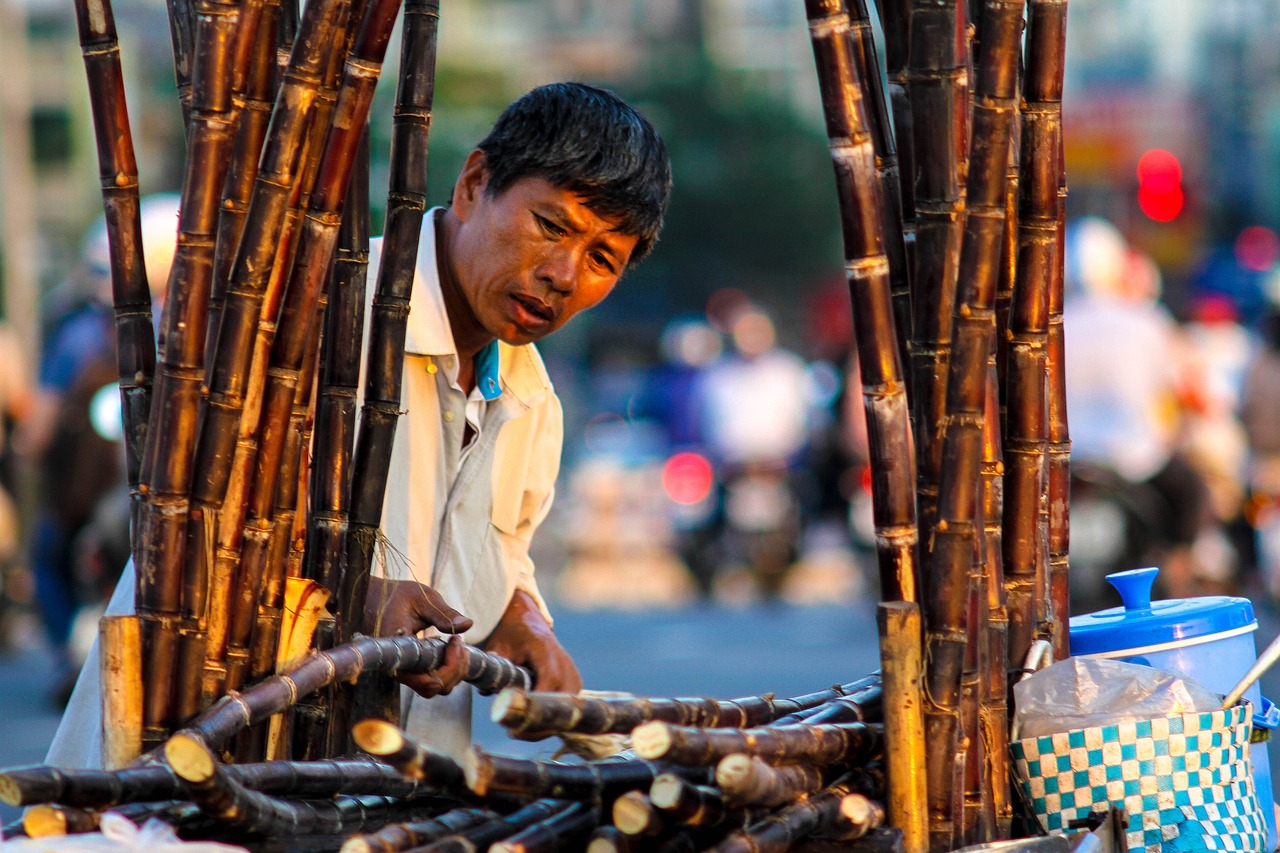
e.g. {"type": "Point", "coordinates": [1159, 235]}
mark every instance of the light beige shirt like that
{"type": "Point", "coordinates": [460, 519]}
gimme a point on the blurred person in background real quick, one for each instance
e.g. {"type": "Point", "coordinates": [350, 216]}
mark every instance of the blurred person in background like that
{"type": "Point", "coordinates": [1260, 415]}
{"type": "Point", "coordinates": [754, 407]}
{"type": "Point", "coordinates": [77, 466]}
{"type": "Point", "coordinates": [1123, 394]}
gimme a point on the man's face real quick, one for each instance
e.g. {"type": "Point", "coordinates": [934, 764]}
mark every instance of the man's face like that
{"type": "Point", "coordinates": [531, 257]}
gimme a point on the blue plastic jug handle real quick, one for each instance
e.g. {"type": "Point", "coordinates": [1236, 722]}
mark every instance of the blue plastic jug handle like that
{"type": "Point", "coordinates": [1134, 587]}
{"type": "Point", "coordinates": [1267, 716]}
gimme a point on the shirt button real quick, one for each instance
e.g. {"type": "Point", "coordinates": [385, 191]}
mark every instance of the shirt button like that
{"type": "Point", "coordinates": [431, 367]}
{"type": "Point", "coordinates": [448, 416]}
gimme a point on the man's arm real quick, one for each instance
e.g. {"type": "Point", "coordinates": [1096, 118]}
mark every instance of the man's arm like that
{"type": "Point", "coordinates": [524, 636]}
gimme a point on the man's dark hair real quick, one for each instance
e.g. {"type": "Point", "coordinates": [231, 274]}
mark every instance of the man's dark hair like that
{"type": "Point", "coordinates": [591, 142]}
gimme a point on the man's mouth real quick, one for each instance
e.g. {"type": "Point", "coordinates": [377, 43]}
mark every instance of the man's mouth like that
{"type": "Point", "coordinates": [532, 312]}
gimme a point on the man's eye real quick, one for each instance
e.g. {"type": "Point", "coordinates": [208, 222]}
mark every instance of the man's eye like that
{"type": "Point", "coordinates": [603, 261]}
{"type": "Point", "coordinates": [549, 227]}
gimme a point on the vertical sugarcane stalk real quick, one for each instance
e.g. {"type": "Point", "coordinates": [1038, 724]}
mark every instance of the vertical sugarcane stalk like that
{"type": "Point", "coordinates": [1026, 436]}
{"type": "Point", "coordinates": [867, 270]}
{"type": "Point", "coordinates": [955, 558]}
{"type": "Point", "coordinates": [895, 244]}
{"type": "Point", "coordinates": [935, 76]}
{"type": "Point", "coordinates": [335, 434]}
{"type": "Point", "coordinates": [170, 600]}
{"type": "Point", "coordinates": [1047, 36]}
{"type": "Point", "coordinates": [252, 292]}
{"type": "Point", "coordinates": [902, 667]}
{"type": "Point", "coordinates": [371, 456]}
{"type": "Point", "coordinates": [994, 725]}
{"type": "Point", "coordinates": [297, 334]}
{"type": "Point", "coordinates": [895, 22]}
{"type": "Point", "coordinates": [253, 98]}
{"type": "Point", "coordinates": [1009, 263]}
{"type": "Point", "coordinates": [182, 29]}
{"type": "Point", "coordinates": [118, 177]}
{"type": "Point", "coordinates": [1059, 456]}
{"type": "Point", "coordinates": [120, 667]}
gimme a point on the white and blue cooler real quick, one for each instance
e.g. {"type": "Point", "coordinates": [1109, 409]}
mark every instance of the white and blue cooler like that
{"type": "Point", "coordinates": [1208, 640]}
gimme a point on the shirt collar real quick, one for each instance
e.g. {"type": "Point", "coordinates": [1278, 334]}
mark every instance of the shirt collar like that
{"type": "Point", "coordinates": [499, 365]}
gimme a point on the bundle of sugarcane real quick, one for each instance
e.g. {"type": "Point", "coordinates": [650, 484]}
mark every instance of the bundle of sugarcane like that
{"type": "Point", "coordinates": [973, 544]}
{"type": "Point", "coordinates": [231, 499]}
{"type": "Point", "coordinates": [757, 773]}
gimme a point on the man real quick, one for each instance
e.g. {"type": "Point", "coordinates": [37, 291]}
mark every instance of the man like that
{"type": "Point", "coordinates": [565, 193]}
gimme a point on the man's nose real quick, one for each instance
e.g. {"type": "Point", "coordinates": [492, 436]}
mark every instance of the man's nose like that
{"type": "Point", "coordinates": [559, 269]}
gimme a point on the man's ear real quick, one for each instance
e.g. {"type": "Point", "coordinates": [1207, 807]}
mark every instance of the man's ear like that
{"type": "Point", "coordinates": [471, 183]}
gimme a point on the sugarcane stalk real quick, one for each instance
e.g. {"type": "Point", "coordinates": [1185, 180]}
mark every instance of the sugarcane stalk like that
{"type": "Point", "coordinates": [867, 269]}
{"type": "Point", "coordinates": [218, 793]}
{"type": "Point", "coordinates": [1026, 533]}
{"type": "Point", "coordinates": [895, 23]}
{"type": "Point", "coordinates": [955, 557]}
{"type": "Point", "coordinates": [371, 458]}
{"type": "Point", "coordinates": [895, 242]}
{"type": "Point", "coordinates": [688, 803]}
{"type": "Point", "coordinates": [120, 676]}
{"type": "Point", "coordinates": [865, 706]}
{"type": "Point", "coordinates": [748, 781]}
{"type": "Point", "coordinates": [101, 789]}
{"type": "Point", "coordinates": [902, 671]}
{"type": "Point", "coordinates": [859, 816]}
{"type": "Point", "coordinates": [1059, 462]}
{"type": "Point", "coordinates": [118, 179]}
{"type": "Point", "coordinates": [482, 837]}
{"type": "Point", "coordinates": [609, 839]}
{"type": "Point", "coordinates": [558, 832]}
{"type": "Point", "coordinates": [218, 723]}
{"type": "Point", "coordinates": [994, 724]}
{"type": "Point", "coordinates": [182, 27]}
{"type": "Point", "coordinates": [935, 82]}
{"type": "Point", "coordinates": [635, 814]}
{"type": "Point", "coordinates": [47, 821]}
{"type": "Point", "coordinates": [532, 716]}
{"type": "Point", "coordinates": [411, 834]}
{"type": "Point", "coordinates": [595, 780]}
{"type": "Point", "coordinates": [853, 743]}
{"type": "Point", "coordinates": [410, 758]}
{"type": "Point", "coordinates": [778, 832]}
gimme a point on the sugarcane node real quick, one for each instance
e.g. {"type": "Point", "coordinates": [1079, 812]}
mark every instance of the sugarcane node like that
{"type": "Point", "coordinates": [44, 821]}
{"type": "Point", "coordinates": [633, 814]}
{"type": "Point", "coordinates": [190, 758]}
{"type": "Point", "coordinates": [733, 771]}
{"type": "Point", "coordinates": [652, 739]}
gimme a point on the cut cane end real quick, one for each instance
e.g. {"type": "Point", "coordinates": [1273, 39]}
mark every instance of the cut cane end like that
{"type": "Point", "coordinates": [632, 814]}
{"type": "Point", "coordinates": [377, 737]}
{"type": "Point", "coordinates": [602, 845]}
{"type": "Point", "coordinates": [44, 821]}
{"type": "Point", "coordinates": [356, 845]}
{"type": "Point", "coordinates": [10, 791]}
{"type": "Point", "coordinates": [190, 758]}
{"type": "Point", "coordinates": [665, 790]}
{"type": "Point", "coordinates": [510, 707]}
{"type": "Point", "coordinates": [477, 770]}
{"type": "Point", "coordinates": [507, 847]}
{"type": "Point", "coordinates": [856, 809]}
{"type": "Point", "coordinates": [651, 740]}
{"type": "Point", "coordinates": [733, 770]}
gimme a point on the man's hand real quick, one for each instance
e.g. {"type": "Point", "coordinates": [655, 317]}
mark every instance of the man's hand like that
{"type": "Point", "coordinates": [403, 608]}
{"type": "Point", "coordinates": [524, 637]}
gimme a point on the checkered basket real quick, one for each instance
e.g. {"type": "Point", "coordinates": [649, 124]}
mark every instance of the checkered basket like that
{"type": "Point", "coordinates": [1184, 781]}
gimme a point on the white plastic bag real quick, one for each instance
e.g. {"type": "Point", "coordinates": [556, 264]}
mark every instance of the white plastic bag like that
{"type": "Point", "coordinates": [1080, 693]}
{"type": "Point", "coordinates": [119, 835]}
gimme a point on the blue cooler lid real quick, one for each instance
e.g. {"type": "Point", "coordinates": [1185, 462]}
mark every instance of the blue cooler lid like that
{"type": "Point", "coordinates": [1142, 622]}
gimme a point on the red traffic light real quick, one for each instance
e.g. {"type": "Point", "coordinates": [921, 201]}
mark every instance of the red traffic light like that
{"type": "Point", "coordinates": [1160, 193]}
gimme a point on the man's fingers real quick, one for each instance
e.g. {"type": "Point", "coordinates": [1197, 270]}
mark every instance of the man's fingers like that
{"type": "Point", "coordinates": [433, 610]}
{"type": "Point", "coordinates": [423, 683]}
{"type": "Point", "coordinates": [456, 661]}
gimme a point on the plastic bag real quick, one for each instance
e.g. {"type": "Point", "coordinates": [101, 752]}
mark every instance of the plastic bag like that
{"type": "Point", "coordinates": [1080, 693]}
{"type": "Point", "coordinates": [119, 835]}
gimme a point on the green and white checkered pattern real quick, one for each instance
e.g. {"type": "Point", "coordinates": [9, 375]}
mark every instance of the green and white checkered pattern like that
{"type": "Point", "coordinates": [1184, 781]}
